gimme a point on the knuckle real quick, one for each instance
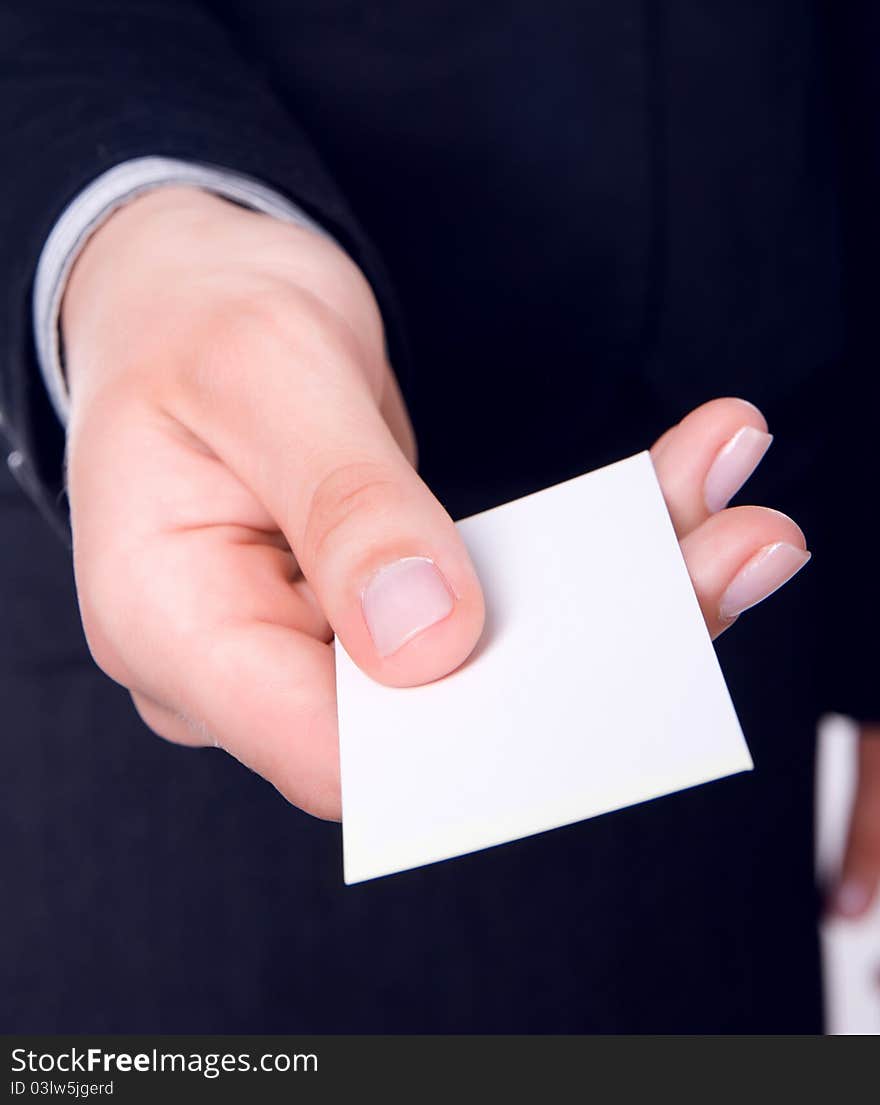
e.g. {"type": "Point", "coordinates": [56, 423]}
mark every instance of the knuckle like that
{"type": "Point", "coordinates": [105, 615]}
{"type": "Point", "coordinates": [264, 327]}
{"type": "Point", "coordinates": [343, 499]}
{"type": "Point", "coordinates": [227, 334]}
{"type": "Point", "coordinates": [99, 638]}
{"type": "Point", "coordinates": [224, 329]}
{"type": "Point", "coordinates": [152, 715]}
{"type": "Point", "coordinates": [171, 726]}
{"type": "Point", "coordinates": [235, 321]}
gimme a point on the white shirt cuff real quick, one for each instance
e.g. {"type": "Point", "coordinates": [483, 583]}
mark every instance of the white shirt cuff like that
{"type": "Point", "coordinates": [93, 206]}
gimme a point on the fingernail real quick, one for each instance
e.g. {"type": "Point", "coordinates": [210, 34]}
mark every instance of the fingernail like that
{"type": "Point", "coordinates": [765, 573]}
{"type": "Point", "coordinates": [402, 599]}
{"type": "Point", "coordinates": [733, 465]}
{"type": "Point", "coordinates": [851, 899]}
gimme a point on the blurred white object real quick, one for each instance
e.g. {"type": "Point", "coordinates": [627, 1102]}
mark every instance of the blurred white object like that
{"type": "Point", "coordinates": [850, 949]}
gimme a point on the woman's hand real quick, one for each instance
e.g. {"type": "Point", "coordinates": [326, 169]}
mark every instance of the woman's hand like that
{"type": "Point", "coordinates": [241, 480]}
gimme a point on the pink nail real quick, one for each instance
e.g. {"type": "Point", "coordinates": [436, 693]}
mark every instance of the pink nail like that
{"type": "Point", "coordinates": [733, 465]}
{"type": "Point", "coordinates": [404, 598]}
{"type": "Point", "coordinates": [765, 573]}
{"type": "Point", "coordinates": [851, 899]}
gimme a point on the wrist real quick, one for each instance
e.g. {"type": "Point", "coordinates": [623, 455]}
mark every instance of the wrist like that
{"type": "Point", "coordinates": [159, 283]}
{"type": "Point", "coordinates": [133, 267]}
{"type": "Point", "coordinates": [134, 233]}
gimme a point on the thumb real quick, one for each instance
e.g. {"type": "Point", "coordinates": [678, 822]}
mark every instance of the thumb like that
{"type": "Point", "coordinates": [860, 874]}
{"type": "Point", "coordinates": [386, 563]}
{"type": "Point", "coordinates": [383, 558]}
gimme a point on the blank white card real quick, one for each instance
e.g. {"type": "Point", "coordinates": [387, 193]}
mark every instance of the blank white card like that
{"type": "Point", "coordinates": [595, 686]}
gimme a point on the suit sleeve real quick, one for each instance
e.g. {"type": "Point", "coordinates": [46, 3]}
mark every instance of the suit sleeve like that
{"type": "Point", "coordinates": [87, 85]}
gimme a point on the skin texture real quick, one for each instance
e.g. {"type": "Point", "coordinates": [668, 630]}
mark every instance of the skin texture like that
{"type": "Point", "coordinates": [240, 464]}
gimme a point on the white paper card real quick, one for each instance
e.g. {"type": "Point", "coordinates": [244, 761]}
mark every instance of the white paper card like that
{"type": "Point", "coordinates": [595, 686]}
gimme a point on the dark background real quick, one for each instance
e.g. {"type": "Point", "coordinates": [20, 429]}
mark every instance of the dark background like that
{"type": "Point", "coordinates": [590, 218]}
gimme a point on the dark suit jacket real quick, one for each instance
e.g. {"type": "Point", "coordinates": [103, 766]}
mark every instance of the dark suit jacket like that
{"type": "Point", "coordinates": [580, 219]}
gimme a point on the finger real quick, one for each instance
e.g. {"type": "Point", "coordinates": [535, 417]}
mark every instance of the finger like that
{"type": "Point", "coordinates": [703, 461]}
{"type": "Point", "coordinates": [266, 695]}
{"type": "Point", "coordinates": [738, 558]}
{"type": "Point", "coordinates": [199, 611]}
{"type": "Point", "coordinates": [383, 557]}
{"type": "Point", "coordinates": [171, 725]}
{"type": "Point", "coordinates": [220, 658]}
{"type": "Point", "coordinates": [860, 872]}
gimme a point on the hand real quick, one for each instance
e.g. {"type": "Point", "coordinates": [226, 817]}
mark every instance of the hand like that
{"type": "Point", "coordinates": [241, 481]}
{"type": "Point", "coordinates": [860, 873]}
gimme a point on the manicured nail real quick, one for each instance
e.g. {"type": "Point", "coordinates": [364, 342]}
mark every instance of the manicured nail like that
{"type": "Point", "coordinates": [402, 599]}
{"type": "Point", "coordinates": [851, 899]}
{"type": "Point", "coordinates": [765, 573]}
{"type": "Point", "coordinates": [733, 465]}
